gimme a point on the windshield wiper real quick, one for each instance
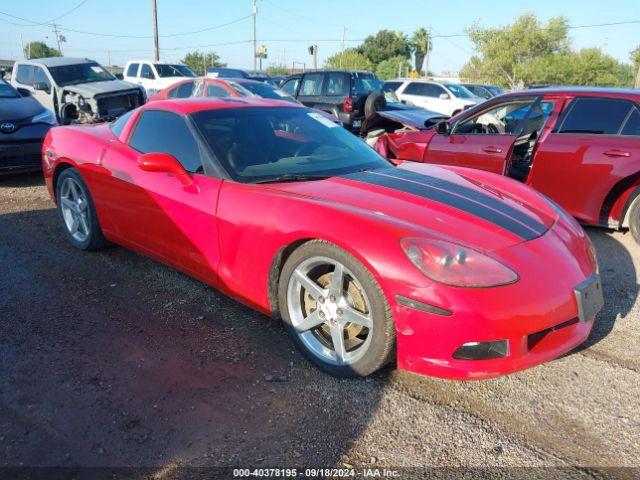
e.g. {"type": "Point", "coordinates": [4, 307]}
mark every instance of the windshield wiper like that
{"type": "Point", "coordinates": [289, 177]}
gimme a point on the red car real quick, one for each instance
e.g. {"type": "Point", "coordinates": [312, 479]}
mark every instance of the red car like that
{"type": "Point", "coordinates": [460, 273]}
{"type": "Point", "coordinates": [213, 87]}
{"type": "Point", "coordinates": [578, 146]}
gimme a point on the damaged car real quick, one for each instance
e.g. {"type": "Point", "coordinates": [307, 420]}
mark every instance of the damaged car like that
{"type": "Point", "coordinates": [77, 90]}
{"type": "Point", "coordinates": [579, 146]}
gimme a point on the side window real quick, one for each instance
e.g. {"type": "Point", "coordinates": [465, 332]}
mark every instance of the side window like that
{"type": "Point", "coordinates": [337, 85]}
{"type": "Point", "coordinates": [146, 72]}
{"type": "Point", "coordinates": [432, 90]}
{"type": "Point", "coordinates": [24, 75]}
{"type": "Point", "coordinates": [414, 88]}
{"type": "Point", "coordinates": [391, 86]}
{"type": "Point", "coordinates": [40, 77]}
{"type": "Point", "coordinates": [312, 84]}
{"type": "Point", "coordinates": [596, 116]}
{"type": "Point", "coordinates": [632, 126]}
{"type": "Point", "coordinates": [132, 71]}
{"type": "Point", "coordinates": [181, 91]}
{"type": "Point", "coordinates": [167, 132]}
{"type": "Point", "coordinates": [217, 91]}
{"type": "Point", "coordinates": [503, 119]}
{"type": "Point", "coordinates": [290, 86]}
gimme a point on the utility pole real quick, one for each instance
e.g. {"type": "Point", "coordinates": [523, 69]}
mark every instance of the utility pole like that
{"type": "Point", "coordinates": [344, 29]}
{"type": "Point", "coordinates": [313, 51]}
{"type": "Point", "coordinates": [57, 34]}
{"type": "Point", "coordinates": [156, 46]}
{"type": "Point", "coordinates": [637, 84]}
{"type": "Point", "coordinates": [109, 57]}
{"type": "Point", "coordinates": [255, 40]}
{"type": "Point", "coordinates": [22, 45]}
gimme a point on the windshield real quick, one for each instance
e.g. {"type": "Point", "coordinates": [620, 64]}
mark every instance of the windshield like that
{"type": "Point", "coordinates": [7, 91]}
{"type": "Point", "coordinates": [79, 73]}
{"type": "Point", "coordinates": [459, 91]}
{"type": "Point", "coordinates": [257, 144]}
{"type": "Point", "coordinates": [366, 83]}
{"type": "Point", "coordinates": [265, 90]}
{"type": "Point", "coordinates": [494, 90]}
{"type": "Point", "coordinates": [167, 70]}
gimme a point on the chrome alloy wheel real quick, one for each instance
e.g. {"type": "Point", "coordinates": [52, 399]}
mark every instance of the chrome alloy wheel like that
{"type": "Point", "coordinates": [330, 311]}
{"type": "Point", "coordinates": [75, 209]}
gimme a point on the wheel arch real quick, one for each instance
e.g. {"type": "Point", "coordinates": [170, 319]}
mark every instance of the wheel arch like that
{"type": "Point", "coordinates": [62, 165]}
{"type": "Point", "coordinates": [617, 204]}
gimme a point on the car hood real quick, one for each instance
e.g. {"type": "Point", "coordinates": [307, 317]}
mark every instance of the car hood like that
{"type": "Point", "coordinates": [15, 109]}
{"type": "Point", "coordinates": [96, 88]}
{"type": "Point", "coordinates": [431, 201]}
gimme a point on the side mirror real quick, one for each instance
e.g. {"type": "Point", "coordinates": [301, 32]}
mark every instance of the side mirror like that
{"type": "Point", "coordinates": [443, 128]}
{"type": "Point", "coordinates": [444, 96]}
{"type": "Point", "coordinates": [42, 86]}
{"type": "Point", "coordinates": [25, 92]}
{"type": "Point", "coordinates": [164, 163]}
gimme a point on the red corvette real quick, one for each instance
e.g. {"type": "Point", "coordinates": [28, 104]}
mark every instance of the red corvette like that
{"type": "Point", "coordinates": [578, 146]}
{"type": "Point", "coordinates": [456, 273]}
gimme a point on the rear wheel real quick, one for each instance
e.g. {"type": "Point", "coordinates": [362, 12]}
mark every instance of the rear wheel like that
{"type": "Point", "coordinates": [77, 212]}
{"type": "Point", "coordinates": [634, 220]}
{"type": "Point", "coordinates": [335, 311]}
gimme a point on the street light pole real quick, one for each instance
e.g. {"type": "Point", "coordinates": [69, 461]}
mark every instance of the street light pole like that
{"type": "Point", "coordinates": [156, 47]}
{"type": "Point", "coordinates": [255, 41]}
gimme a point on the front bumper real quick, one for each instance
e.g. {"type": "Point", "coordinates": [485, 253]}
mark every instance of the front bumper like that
{"type": "Point", "coordinates": [537, 316]}
{"type": "Point", "coordinates": [21, 150]}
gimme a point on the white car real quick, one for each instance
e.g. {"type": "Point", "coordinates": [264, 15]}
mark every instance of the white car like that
{"type": "Point", "coordinates": [155, 76]}
{"type": "Point", "coordinates": [441, 97]}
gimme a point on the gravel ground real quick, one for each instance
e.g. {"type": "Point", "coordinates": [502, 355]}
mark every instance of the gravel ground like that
{"type": "Point", "coordinates": [111, 359]}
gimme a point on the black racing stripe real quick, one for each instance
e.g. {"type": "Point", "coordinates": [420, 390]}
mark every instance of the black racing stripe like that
{"type": "Point", "coordinates": [446, 198]}
{"type": "Point", "coordinates": [470, 193]}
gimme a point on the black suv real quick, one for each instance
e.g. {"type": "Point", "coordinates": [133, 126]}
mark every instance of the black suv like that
{"type": "Point", "coordinates": [340, 92]}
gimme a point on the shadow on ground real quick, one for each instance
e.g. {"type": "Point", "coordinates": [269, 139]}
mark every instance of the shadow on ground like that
{"type": "Point", "coordinates": [110, 358]}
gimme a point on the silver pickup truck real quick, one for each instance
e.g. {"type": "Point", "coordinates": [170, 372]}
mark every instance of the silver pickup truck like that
{"type": "Point", "coordinates": [77, 90]}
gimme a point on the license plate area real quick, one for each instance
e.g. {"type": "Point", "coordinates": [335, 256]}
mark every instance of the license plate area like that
{"type": "Point", "coordinates": [589, 297]}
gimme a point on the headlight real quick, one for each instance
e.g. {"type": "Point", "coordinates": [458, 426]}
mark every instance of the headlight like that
{"type": "Point", "coordinates": [455, 265]}
{"type": "Point", "coordinates": [46, 116]}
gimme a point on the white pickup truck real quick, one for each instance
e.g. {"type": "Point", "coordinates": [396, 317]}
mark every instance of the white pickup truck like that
{"type": "Point", "coordinates": [155, 76]}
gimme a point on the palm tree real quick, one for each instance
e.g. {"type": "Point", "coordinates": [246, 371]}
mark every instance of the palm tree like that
{"type": "Point", "coordinates": [422, 44]}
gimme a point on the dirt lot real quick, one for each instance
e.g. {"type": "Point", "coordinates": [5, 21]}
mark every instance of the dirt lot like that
{"type": "Point", "coordinates": [111, 359]}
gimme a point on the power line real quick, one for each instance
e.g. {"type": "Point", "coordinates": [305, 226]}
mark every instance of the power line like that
{"type": "Point", "coordinates": [65, 13]}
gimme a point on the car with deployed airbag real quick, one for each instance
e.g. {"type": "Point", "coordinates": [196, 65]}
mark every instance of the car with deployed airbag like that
{"type": "Point", "coordinates": [450, 272]}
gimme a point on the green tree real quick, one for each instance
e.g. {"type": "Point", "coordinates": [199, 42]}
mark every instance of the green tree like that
{"type": "Point", "coordinates": [40, 50]}
{"type": "Point", "coordinates": [392, 68]}
{"type": "Point", "coordinates": [421, 43]}
{"type": "Point", "coordinates": [589, 66]}
{"type": "Point", "coordinates": [349, 60]}
{"type": "Point", "coordinates": [385, 45]}
{"type": "Point", "coordinates": [506, 53]}
{"type": "Point", "coordinates": [277, 70]}
{"type": "Point", "coordinates": [635, 61]}
{"type": "Point", "coordinates": [199, 61]}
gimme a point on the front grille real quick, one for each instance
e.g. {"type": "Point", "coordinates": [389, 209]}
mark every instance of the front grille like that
{"type": "Point", "coordinates": [113, 105]}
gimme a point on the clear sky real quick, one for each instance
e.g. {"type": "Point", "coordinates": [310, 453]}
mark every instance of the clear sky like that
{"type": "Point", "coordinates": [288, 27]}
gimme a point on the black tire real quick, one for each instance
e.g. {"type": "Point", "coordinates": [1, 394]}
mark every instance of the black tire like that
{"type": "Point", "coordinates": [95, 239]}
{"type": "Point", "coordinates": [634, 220]}
{"type": "Point", "coordinates": [375, 101]}
{"type": "Point", "coordinates": [381, 349]}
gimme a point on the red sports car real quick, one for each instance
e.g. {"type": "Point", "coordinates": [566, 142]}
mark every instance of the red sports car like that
{"type": "Point", "coordinates": [457, 273]}
{"type": "Point", "coordinates": [578, 146]}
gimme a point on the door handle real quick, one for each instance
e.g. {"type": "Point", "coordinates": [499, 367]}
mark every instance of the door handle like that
{"type": "Point", "coordinates": [614, 152]}
{"type": "Point", "coordinates": [492, 149]}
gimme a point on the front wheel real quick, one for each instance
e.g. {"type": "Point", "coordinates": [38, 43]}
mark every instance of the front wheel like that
{"type": "Point", "coordinates": [77, 212]}
{"type": "Point", "coordinates": [335, 311]}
